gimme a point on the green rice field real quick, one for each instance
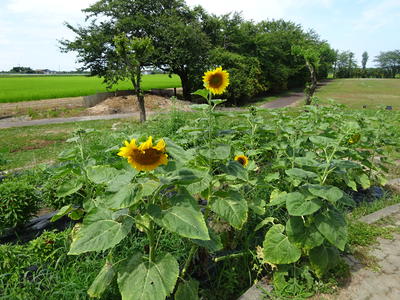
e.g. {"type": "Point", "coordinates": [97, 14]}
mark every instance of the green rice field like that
{"type": "Point", "coordinates": [26, 88]}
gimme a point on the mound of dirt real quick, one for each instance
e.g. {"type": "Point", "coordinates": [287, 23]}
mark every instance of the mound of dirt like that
{"type": "Point", "coordinates": [129, 104]}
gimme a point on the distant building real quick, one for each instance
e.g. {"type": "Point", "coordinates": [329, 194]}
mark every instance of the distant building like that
{"type": "Point", "coordinates": [45, 72]}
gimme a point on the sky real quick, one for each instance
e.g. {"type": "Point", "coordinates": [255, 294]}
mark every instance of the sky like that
{"type": "Point", "coordinates": [30, 29]}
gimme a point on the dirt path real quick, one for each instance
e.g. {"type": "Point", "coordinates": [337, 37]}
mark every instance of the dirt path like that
{"type": "Point", "coordinates": [284, 101]}
{"type": "Point", "coordinates": [78, 102]}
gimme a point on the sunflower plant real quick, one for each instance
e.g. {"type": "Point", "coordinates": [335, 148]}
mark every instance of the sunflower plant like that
{"type": "Point", "coordinates": [272, 190]}
{"type": "Point", "coordinates": [167, 189]}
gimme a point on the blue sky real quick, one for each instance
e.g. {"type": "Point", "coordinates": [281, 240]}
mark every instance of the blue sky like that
{"type": "Point", "coordinates": [29, 29]}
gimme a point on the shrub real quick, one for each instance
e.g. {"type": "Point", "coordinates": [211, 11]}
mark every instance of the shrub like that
{"type": "Point", "coordinates": [18, 201]}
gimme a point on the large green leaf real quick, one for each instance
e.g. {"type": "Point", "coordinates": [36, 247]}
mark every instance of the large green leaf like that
{"type": "Point", "coordinates": [322, 259]}
{"type": "Point", "coordinates": [62, 212]}
{"type": "Point", "coordinates": [98, 213]}
{"type": "Point", "coordinates": [101, 174]}
{"type": "Point", "coordinates": [221, 152]}
{"type": "Point", "coordinates": [68, 154]}
{"type": "Point", "coordinates": [235, 169]}
{"type": "Point", "coordinates": [102, 281]}
{"type": "Point", "coordinates": [230, 206]}
{"type": "Point", "coordinates": [203, 93]}
{"type": "Point", "coordinates": [184, 218]}
{"type": "Point", "coordinates": [277, 247]}
{"type": "Point", "coordinates": [330, 193]}
{"type": "Point", "coordinates": [147, 188]}
{"type": "Point", "coordinates": [306, 161]}
{"type": "Point", "coordinates": [322, 141]}
{"type": "Point", "coordinates": [279, 198]}
{"type": "Point", "coordinates": [298, 205]}
{"type": "Point", "coordinates": [145, 280]}
{"type": "Point", "coordinates": [214, 244]}
{"type": "Point", "coordinates": [177, 152]}
{"type": "Point", "coordinates": [363, 180]}
{"type": "Point", "coordinates": [125, 197]}
{"type": "Point", "coordinates": [333, 227]}
{"type": "Point", "coordinates": [188, 290]}
{"type": "Point", "coordinates": [302, 236]}
{"type": "Point", "coordinates": [70, 187]}
{"type": "Point", "coordinates": [182, 176]}
{"type": "Point", "coordinates": [198, 187]}
{"type": "Point", "coordinates": [300, 173]}
{"type": "Point", "coordinates": [100, 235]}
{"type": "Point", "coordinates": [123, 178]}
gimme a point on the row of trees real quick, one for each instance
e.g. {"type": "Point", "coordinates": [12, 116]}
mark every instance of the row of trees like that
{"type": "Point", "coordinates": [388, 65]}
{"type": "Point", "coordinates": [273, 55]}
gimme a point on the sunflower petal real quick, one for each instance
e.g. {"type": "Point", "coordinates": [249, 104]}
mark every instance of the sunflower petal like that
{"type": "Point", "coordinates": [160, 145]}
{"type": "Point", "coordinates": [147, 144]}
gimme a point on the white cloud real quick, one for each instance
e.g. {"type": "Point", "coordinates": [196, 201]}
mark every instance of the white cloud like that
{"type": "Point", "coordinates": [379, 15]}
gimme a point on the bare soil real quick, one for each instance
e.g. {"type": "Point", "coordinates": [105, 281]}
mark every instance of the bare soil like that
{"type": "Point", "coordinates": [71, 107]}
{"type": "Point", "coordinates": [129, 104]}
{"type": "Point", "coordinates": [24, 107]}
{"type": "Point", "coordinates": [35, 144]}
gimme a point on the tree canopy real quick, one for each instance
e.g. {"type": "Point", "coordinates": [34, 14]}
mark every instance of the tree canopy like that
{"type": "Point", "coordinates": [188, 41]}
{"type": "Point", "coordinates": [389, 61]}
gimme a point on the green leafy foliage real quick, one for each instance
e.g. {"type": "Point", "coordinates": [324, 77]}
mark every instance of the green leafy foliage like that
{"type": "Point", "coordinates": [277, 247]}
{"type": "Point", "coordinates": [19, 202]}
{"type": "Point", "coordinates": [148, 280]}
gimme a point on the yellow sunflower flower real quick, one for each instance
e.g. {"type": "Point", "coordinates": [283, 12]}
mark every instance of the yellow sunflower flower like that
{"type": "Point", "coordinates": [146, 157]}
{"type": "Point", "coordinates": [242, 159]}
{"type": "Point", "coordinates": [355, 138]}
{"type": "Point", "coordinates": [216, 80]}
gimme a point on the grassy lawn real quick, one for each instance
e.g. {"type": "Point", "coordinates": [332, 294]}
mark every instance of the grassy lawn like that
{"type": "Point", "coordinates": [29, 146]}
{"type": "Point", "coordinates": [364, 91]}
{"type": "Point", "coordinates": [23, 88]}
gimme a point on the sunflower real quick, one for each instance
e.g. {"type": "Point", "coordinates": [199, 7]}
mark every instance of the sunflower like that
{"type": "Point", "coordinates": [216, 81]}
{"type": "Point", "coordinates": [146, 157]}
{"type": "Point", "coordinates": [242, 159]}
{"type": "Point", "coordinates": [355, 138]}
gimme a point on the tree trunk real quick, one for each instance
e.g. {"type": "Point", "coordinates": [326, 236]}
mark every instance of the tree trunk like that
{"type": "Point", "coordinates": [139, 94]}
{"type": "Point", "coordinates": [313, 86]}
{"type": "Point", "coordinates": [142, 108]}
{"type": "Point", "coordinates": [186, 86]}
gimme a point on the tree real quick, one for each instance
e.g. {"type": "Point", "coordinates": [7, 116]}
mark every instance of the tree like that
{"type": "Point", "coordinates": [345, 64]}
{"type": "Point", "coordinates": [182, 48]}
{"type": "Point", "coordinates": [318, 57]}
{"type": "Point", "coordinates": [390, 62]}
{"type": "Point", "coordinates": [244, 74]}
{"type": "Point", "coordinates": [26, 70]}
{"type": "Point", "coordinates": [364, 59]}
{"type": "Point", "coordinates": [180, 44]}
{"type": "Point", "coordinates": [132, 55]}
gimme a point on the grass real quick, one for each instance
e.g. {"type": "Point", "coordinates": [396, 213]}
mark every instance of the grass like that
{"type": "Point", "coordinates": [28, 146]}
{"type": "Point", "coordinates": [25, 147]}
{"type": "Point", "coordinates": [22, 88]}
{"type": "Point", "coordinates": [364, 91]}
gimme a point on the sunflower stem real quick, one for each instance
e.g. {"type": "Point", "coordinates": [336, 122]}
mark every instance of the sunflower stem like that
{"type": "Point", "coordinates": [192, 252]}
{"type": "Point", "coordinates": [150, 236]}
